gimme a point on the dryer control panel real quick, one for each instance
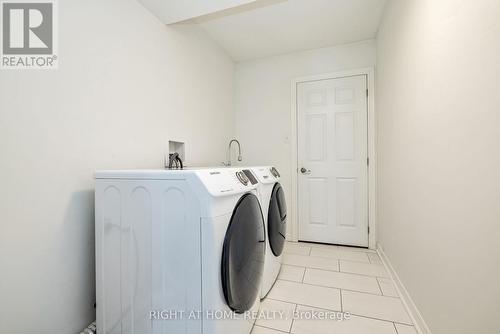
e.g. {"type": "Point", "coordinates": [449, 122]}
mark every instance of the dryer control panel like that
{"type": "Point", "coordinates": [266, 174]}
{"type": "Point", "coordinates": [250, 176]}
{"type": "Point", "coordinates": [275, 172]}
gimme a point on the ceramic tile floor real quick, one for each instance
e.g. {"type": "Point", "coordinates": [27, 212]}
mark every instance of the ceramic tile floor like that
{"type": "Point", "coordinates": [322, 278]}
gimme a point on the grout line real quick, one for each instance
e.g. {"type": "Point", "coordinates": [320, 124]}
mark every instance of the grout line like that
{"type": "Point", "coordinates": [402, 323]}
{"type": "Point", "coordinates": [341, 302]}
{"type": "Point", "coordinates": [375, 264]}
{"type": "Point", "coordinates": [337, 271]}
{"type": "Point", "coordinates": [369, 260]}
{"type": "Point", "coordinates": [343, 250]}
{"type": "Point", "coordinates": [319, 286]}
{"type": "Point", "coordinates": [277, 300]}
{"type": "Point", "coordinates": [373, 318]}
{"type": "Point", "coordinates": [366, 275]}
{"type": "Point", "coordinates": [380, 287]}
{"type": "Point", "coordinates": [372, 264]}
{"type": "Point", "coordinates": [333, 255]}
{"type": "Point", "coordinates": [312, 306]}
{"type": "Point", "coordinates": [337, 288]}
{"type": "Point", "coordinates": [296, 253]}
{"type": "Point", "coordinates": [368, 293]}
{"type": "Point", "coordinates": [288, 280]}
{"type": "Point", "coordinates": [368, 257]}
{"type": "Point", "coordinates": [319, 308]}
{"type": "Point", "coordinates": [356, 315]}
{"type": "Point", "coordinates": [377, 261]}
{"type": "Point", "coordinates": [337, 258]}
{"type": "Point", "coordinates": [293, 265]}
{"type": "Point", "coordinates": [334, 258]}
{"type": "Point", "coordinates": [347, 273]}
{"type": "Point", "coordinates": [312, 267]}
{"type": "Point", "coordinates": [274, 329]}
{"type": "Point", "coordinates": [293, 318]}
{"type": "Point", "coordinates": [350, 290]}
{"type": "Point", "coordinates": [341, 297]}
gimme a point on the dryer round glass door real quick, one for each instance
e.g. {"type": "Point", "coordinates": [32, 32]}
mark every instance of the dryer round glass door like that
{"type": "Point", "coordinates": [243, 255]}
{"type": "Point", "coordinates": [276, 220]}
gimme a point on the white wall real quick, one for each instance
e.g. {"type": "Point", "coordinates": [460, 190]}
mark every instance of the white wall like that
{"type": "Point", "coordinates": [263, 97]}
{"type": "Point", "coordinates": [126, 84]}
{"type": "Point", "coordinates": [439, 133]}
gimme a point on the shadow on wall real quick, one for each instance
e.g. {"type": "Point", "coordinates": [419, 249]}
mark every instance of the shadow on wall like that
{"type": "Point", "coordinates": [79, 226]}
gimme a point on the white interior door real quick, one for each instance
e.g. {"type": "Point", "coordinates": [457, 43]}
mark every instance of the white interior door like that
{"type": "Point", "coordinates": [333, 161]}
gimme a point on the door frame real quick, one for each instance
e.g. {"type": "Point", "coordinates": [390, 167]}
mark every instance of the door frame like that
{"type": "Point", "coordinates": [372, 135]}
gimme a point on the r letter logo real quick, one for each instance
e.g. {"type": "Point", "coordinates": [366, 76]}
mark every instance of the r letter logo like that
{"type": "Point", "coordinates": [28, 35]}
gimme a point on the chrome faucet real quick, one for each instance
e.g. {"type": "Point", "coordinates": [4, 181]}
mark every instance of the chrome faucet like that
{"type": "Point", "coordinates": [240, 158]}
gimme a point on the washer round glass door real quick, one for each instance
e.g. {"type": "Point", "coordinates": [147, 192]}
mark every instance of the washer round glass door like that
{"type": "Point", "coordinates": [276, 220]}
{"type": "Point", "coordinates": [243, 255]}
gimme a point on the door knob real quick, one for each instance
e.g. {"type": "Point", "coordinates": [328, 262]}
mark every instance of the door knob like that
{"type": "Point", "coordinates": [305, 171]}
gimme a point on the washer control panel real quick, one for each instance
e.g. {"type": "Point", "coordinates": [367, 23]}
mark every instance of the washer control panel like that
{"type": "Point", "coordinates": [224, 181]}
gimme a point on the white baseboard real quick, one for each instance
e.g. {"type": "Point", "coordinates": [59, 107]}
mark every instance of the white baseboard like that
{"type": "Point", "coordinates": [415, 315]}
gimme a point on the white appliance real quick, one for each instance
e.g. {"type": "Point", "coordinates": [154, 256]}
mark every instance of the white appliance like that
{"type": "Point", "coordinates": [272, 201]}
{"type": "Point", "coordinates": [177, 251]}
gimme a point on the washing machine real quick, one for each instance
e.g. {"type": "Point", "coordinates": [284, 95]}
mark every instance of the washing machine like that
{"type": "Point", "coordinates": [272, 199]}
{"type": "Point", "coordinates": [177, 251]}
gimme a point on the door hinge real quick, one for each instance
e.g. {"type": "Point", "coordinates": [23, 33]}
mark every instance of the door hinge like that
{"type": "Point", "coordinates": [368, 229]}
{"type": "Point", "coordinates": [366, 92]}
{"type": "Point", "coordinates": [367, 161]}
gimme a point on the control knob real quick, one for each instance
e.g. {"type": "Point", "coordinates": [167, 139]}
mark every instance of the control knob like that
{"type": "Point", "coordinates": [242, 178]}
{"type": "Point", "coordinates": [275, 172]}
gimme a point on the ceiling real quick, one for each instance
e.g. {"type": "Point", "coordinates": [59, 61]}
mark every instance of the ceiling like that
{"type": "Point", "coordinates": [175, 11]}
{"type": "Point", "coordinates": [270, 27]}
